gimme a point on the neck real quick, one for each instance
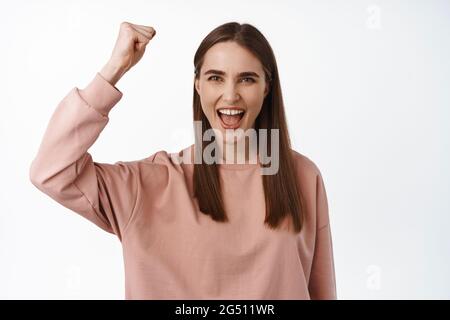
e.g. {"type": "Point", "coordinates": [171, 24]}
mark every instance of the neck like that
{"type": "Point", "coordinates": [234, 153]}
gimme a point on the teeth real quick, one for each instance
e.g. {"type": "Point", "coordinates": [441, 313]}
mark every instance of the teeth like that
{"type": "Point", "coordinates": [230, 111]}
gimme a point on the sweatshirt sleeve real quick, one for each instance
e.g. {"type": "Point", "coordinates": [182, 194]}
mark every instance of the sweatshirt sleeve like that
{"type": "Point", "coordinates": [103, 193]}
{"type": "Point", "coordinates": [322, 282]}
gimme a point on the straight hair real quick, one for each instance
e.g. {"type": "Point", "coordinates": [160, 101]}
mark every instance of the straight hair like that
{"type": "Point", "coordinates": [283, 197]}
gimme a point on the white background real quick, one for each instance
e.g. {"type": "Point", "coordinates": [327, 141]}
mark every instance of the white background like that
{"type": "Point", "coordinates": [366, 91]}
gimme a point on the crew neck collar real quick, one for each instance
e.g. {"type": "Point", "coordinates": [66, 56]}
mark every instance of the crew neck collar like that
{"type": "Point", "coordinates": [238, 166]}
{"type": "Point", "coordinates": [230, 166]}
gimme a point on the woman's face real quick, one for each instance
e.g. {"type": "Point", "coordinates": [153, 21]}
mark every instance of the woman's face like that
{"type": "Point", "coordinates": [231, 86]}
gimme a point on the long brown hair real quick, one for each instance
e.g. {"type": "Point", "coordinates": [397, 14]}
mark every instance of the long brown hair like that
{"type": "Point", "coordinates": [282, 193]}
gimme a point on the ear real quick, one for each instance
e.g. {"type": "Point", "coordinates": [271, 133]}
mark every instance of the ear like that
{"type": "Point", "coordinates": [197, 85]}
{"type": "Point", "coordinates": [266, 90]}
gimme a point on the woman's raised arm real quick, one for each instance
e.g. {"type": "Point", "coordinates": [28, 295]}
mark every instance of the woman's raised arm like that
{"type": "Point", "coordinates": [63, 168]}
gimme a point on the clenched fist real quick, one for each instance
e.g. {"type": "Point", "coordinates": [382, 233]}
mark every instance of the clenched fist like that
{"type": "Point", "coordinates": [128, 50]}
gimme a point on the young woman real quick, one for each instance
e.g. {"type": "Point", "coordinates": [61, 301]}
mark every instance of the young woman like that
{"type": "Point", "coordinates": [199, 229]}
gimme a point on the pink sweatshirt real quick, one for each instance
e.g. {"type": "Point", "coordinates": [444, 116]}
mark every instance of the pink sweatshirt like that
{"type": "Point", "coordinates": [170, 249]}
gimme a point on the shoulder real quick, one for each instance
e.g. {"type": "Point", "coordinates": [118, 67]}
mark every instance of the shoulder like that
{"type": "Point", "coordinates": [154, 163]}
{"type": "Point", "coordinates": [312, 187]}
{"type": "Point", "coordinates": [163, 160]}
{"type": "Point", "coordinates": [160, 162]}
{"type": "Point", "coordinates": [158, 157]}
{"type": "Point", "coordinates": [305, 165]}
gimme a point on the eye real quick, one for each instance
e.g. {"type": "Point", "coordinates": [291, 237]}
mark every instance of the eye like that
{"type": "Point", "coordinates": [210, 78]}
{"type": "Point", "coordinates": [252, 80]}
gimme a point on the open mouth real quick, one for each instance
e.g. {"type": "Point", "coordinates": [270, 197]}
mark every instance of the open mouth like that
{"type": "Point", "coordinates": [230, 119]}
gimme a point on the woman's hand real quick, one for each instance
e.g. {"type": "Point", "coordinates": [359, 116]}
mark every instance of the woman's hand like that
{"type": "Point", "coordinates": [128, 50]}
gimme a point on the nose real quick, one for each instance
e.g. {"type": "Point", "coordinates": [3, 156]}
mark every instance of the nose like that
{"type": "Point", "coordinates": [231, 94]}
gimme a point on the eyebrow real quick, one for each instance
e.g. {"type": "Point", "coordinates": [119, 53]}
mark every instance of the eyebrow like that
{"type": "Point", "coordinates": [242, 74]}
